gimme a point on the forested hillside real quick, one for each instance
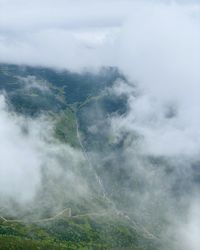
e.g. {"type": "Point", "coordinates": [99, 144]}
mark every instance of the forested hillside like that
{"type": "Point", "coordinates": [79, 108]}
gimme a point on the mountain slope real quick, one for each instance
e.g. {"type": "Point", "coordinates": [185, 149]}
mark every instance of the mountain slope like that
{"type": "Point", "coordinates": [79, 106]}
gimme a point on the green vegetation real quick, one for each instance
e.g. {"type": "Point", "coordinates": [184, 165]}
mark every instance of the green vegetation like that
{"type": "Point", "coordinates": [84, 232]}
{"type": "Point", "coordinates": [65, 127]}
{"type": "Point", "coordinates": [72, 100]}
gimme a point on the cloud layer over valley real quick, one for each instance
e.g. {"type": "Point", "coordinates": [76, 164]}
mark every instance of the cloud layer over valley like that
{"type": "Point", "coordinates": [156, 46]}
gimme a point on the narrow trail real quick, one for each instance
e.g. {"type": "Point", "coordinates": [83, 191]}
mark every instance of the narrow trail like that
{"type": "Point", "coordinates": [92, 168]}
{"type": "Point", "coordinates": [61, 214]}
{"type": "Point", "coordinates": [66, 212]}
{"type": "Point", "coordinates": [2, 218]}
{"type": "Point", "coordinates": [133, 223]}
{"type": "Point", "coordinates": [98, 179]}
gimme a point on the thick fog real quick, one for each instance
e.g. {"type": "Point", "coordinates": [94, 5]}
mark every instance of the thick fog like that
{"type": "Point", "coordinates": [155, 44]}
{"type": "Point", "coordinates": [35, 165]}
{"type": "Point", "coordinates": [19, 158]}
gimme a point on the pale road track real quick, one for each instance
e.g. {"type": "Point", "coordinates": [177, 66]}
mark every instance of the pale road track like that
{"type": "Point", "coordinates": [134, 225]}
{"type": "Point", "coordinates": [59, 215]}
{"type": "Point", "coordinates": [103, 189]}
{"type": "Point", "coordinates": [88, 159]}
{"type": "Point", "coordinates": [103, 213]}
{"type": "Point", "coordinates": [98, 179]}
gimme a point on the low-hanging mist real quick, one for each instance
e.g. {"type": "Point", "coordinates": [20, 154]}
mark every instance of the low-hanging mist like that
{"type": "Point", "coordinates": [142, 155]}
{"type": "Point", "coordinates": [35, 164]}
{"type": "Point", "coordinates": [20, 158]}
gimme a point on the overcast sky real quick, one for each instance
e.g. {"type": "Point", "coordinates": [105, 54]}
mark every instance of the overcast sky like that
{"type": "Point", "coordinates": [73, 34]}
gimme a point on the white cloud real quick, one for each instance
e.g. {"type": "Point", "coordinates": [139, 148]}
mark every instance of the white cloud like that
{"type": "Point", "coordinates": [160, 48]}
{"type": "Point", "coordinates": [19, 159]}
{"type": "Point", "coordinates": [31, 159]}
{"type": "Point", "coordinates": [155, 43]}
{"type": "Point", "coordinates": [73, 34]}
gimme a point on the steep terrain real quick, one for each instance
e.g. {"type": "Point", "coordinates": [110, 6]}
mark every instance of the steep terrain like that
{"type": "Point", "coordinates": [80, 107]}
